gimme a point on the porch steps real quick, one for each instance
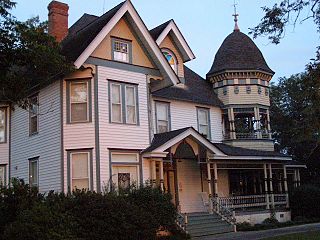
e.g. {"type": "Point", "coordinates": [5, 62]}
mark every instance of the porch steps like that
{"type": "Point", "coordinates": [204, 224]}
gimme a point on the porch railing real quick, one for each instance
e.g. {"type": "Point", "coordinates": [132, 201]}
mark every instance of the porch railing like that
{"type": "Point", "coordinates": [226, 213]}
{"type": "Point", "coordinates": [252, 201]}
{"type": "Point", "coordinates": [182, 221]}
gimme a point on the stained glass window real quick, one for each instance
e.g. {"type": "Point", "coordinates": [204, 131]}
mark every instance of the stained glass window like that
{"type": "Point", "coordinates": [171, 60]}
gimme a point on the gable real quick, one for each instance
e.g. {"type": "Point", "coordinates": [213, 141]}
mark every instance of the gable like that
{"type": "Point", "coordinates": [169, 44]}
{"type": "Point", "coordinates": [123, 31]}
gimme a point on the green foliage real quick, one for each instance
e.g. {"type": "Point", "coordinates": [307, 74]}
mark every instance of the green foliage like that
{"type": "Point", "coordinates": [304, 202]}
{"type": "Point", "coordinates": [138, 214]}
{"type": "Point", "coordinates": [295, 114]}
{"type": "Point", "coordinates": [29, 57]}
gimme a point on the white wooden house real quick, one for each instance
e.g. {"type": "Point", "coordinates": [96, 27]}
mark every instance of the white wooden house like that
{"type": "Point", "coordinates": [134, 113]}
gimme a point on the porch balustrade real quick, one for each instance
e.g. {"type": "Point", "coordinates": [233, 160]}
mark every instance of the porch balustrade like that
{"type": "Point", "coordinates": [251, 201]}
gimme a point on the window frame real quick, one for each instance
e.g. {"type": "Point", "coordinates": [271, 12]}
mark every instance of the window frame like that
{"type": "Point", "coordinates": [4, 175]}
{"type": "Point", "coordinates": [90, 167]}
{"type": "Point", "coordinates": [135, 103]}
{"type": "Point", "coordinates": [4, 109]}
{"type": "Point", "coordinates": [111, 102]}
{"type": "Point", "coordinates": [208, 121]}
{"type": "Point", "coordinates": [168, 115]}
{"type": "Point", "coordinates": [125, 41]}
{"type": "Point", "coordinates": [32, 115]}
{"type": "Point", "coordinates": [69, 103]}
{"type": "Point", "coordinates": [175, 69]}
{"type": "Point", "coordinates": [123, 108]}
{"type": "Point", "coordinates": [34, 160]}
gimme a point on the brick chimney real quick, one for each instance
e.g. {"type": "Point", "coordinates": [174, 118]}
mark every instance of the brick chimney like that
{"type": "Point", "coordinates": [58, 20]}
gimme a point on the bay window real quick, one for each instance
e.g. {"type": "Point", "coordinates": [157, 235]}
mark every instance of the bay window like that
{"type": "Point", "coordinates": [123, 103]}
{"type": "Point", "coordinates": [203, 116]}
{"type": "Point", "coordinates": [3, 125]}
{"type": "Point", "coordinates": [162, 117]}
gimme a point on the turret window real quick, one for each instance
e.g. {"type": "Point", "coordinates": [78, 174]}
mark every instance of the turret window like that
{"type": "Point", "coordinates": [259, 89]}
{"type": "Point", "coordinates": [225, 90]}
{"type": "Point", "coordinates": [242, 81]}
{"type": "Point", "coordinates": [230, 81]}
{"type": "Point", "coordinates": [248, 89]}
{"type": "Point", "coordinates": [254, 81]}
{"type": "Point", "coordinates": [220, 84]}
{"type": "Point", "coordinates": [245, 123]}
{"type": "Point", "coordinates": [236, 89]}
{"type": "Point", "coordinates": [267, 92]}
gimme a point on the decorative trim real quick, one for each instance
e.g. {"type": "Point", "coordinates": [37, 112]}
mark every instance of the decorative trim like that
{"type": "Point", "coordinates": [61, 136]}
{"type": "Point", "coordinates": [97, 129]}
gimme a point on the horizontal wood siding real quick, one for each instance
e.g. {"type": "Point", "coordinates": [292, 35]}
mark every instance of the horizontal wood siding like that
{"type": "Point", "coordinates": [184, 114]}
{"type": "Point", "coordinates": [120, 136]}
{"type": "Point", "coordinates": [46, 144]}
{"type": "Point", "coordinates": [4, 147]}
{"type": "Point", "coordinates": [78, 135]}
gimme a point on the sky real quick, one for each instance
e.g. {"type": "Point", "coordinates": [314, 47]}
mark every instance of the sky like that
{"type": "Point", "coordinates": [204, 24]}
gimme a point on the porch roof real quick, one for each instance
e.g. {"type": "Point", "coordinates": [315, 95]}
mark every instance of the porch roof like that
{"type": "Point", "coordinates": [161, 142]}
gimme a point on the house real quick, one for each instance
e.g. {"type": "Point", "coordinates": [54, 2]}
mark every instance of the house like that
{"type": "Point", "coordinates": [134, 113]}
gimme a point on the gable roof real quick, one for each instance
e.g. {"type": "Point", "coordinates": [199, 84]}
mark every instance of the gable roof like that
{"type": "Point", "coordinates": [78, 47]}
{"type": "Point", "coordinates": [82, 22]}
{"type": "Point", "coordinates": [160, 32]}
{"type": "Point", "coordinates": [195, 89]}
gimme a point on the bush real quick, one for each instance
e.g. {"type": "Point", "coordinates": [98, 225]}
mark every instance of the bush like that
{"type": "Point", "coordinates": [138, 214]}
{"type": "Point", "coordinates": [304, 202]}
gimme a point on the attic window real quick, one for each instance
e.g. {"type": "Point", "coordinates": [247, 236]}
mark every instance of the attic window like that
{"type": "Point", "coordinates": [171, 59]}
{"type": "Point", "coordinates": [121, 50]}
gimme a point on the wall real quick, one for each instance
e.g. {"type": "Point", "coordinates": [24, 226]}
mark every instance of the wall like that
{"type": "Point", "coordinates": [115, 135]}
{"type": "Point", "coordinates": [122, 30]}
{"type": "Point", "coordinates": [253, 144]}
{"type": "Point", "coordinates": [46, 144]}
{"type": "Point", "coordinates": [184, 114]}
{"type": "Point", "coordinates": [257, 218]}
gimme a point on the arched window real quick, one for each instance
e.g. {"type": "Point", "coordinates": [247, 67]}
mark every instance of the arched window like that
{"type": "Point", "coordinates": [170, 58]}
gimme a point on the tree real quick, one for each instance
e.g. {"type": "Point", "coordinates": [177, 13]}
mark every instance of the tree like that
{"type": "Point", "coordinates": [29, 57]}
{"type": "Point", "coordinates": [283, 14]}
{"type": "Point", "coordinates": [295, 114]}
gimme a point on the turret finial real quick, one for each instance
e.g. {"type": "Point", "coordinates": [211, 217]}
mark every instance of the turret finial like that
{"type": "Point", "coordinates": [235, 15]}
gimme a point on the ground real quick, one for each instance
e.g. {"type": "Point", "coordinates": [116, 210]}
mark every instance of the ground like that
{"type": "Point", "coordinates": [307, 231]}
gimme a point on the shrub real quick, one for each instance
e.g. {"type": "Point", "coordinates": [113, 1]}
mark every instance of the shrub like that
{"type": "Point", "coordinates": [304, 202]}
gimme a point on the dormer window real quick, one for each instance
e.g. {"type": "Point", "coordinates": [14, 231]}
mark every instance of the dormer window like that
{"type": "Point", "coordinates": [171, 59]}
{"type": "Point", "coordinates": [121, 50]}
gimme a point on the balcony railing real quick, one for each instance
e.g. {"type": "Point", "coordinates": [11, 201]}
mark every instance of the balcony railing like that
{"type": "Point", "coordinates": [251, 201]}
{"type": "Point", "coordinates": [250, 135]}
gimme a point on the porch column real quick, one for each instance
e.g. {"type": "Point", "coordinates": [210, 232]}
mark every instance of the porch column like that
{"type": "Point", "coordinates": [271, 185]}
{"type": "Point", "coordinates": [215, 179]}
{"type": "Point", "coordinates": [295, 181]}
{"type": "Point", "coordinates": [269, 126]}
{"type": "Point", "coordinates": [209, 180]}
{"type": "Point", "coordinates": [153, 173]}
{"type": "Point", "coordinates": [266, 184]}
{"type": "Point", "coordinates": [298, 177]}
{"type": "Point", "coordinates": [232, 126]}
{"type": "Point", "coordinates": [161, 176]}
{"type": "Point", "coordinates": [280, 183]}
{"type": "Point", "coordinates": [285, 183]}
{"type": "Point", "coordinates": [257, 122]}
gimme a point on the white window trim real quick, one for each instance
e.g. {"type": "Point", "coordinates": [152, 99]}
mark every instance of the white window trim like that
{"type": "Point", "coordinates": [32, 115]}
{"type": "Point", "coordinates": [36, 159]}
{"type": "Point", "coordinates": [208, 120]}
{"type": "Point", "coordinates": [124, 153]}
{"type": "Point", "coordinates": [70, 102]}
{"type": "Point", "coordinates": [4, 109]}
{"type": "Point", "coordinates": [88, 162]}
{"type": "Point", "coordinates": [168, 115]}
{"type": "Point", "coordinates": [135, 102]}
{"type": "Point", "coordinates": [120, 97]}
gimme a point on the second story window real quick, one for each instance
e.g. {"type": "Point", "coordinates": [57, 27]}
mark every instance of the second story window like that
{"type": "Point", "coordinates": [34, 115]}
{"type": "Point", "coordinates": [79, 101]}
{"type": "Point", "coordinates": [121, 50]}
{"type": "Point", "coordinates": [162, 117]}
{"type": "Point", "coordinates": [34, 172]}
{"type": "Point", "coordinates": [204, 121]}
{"type": "Point", "coordinates": [171, 59]}
{"type": "Point", "coordinates": [123, 103]}
{"type": "Point", "coordinates": [3, 124]}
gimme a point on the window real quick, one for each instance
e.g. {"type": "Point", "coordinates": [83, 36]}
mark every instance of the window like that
{"type": "Point", "coordinates": [79, 101]}
{"type": "Point", "coordinates": [171, 59]}
{"type": "Point", "coordinates": [259, 89]}
{"type": "Point", "coordinates": [34, 172]}
{"type": "Point", "coordinates": [267, 91]}
{"type": "Point", "coordinates": [3, 126]}
{"type": "Point", "coordinates": [80, 170]}
{"type": "Point", "coordinates": [245, 123]}
{"type": "Point", "coordinates": [248, 89]}
{"type": "Point", "coordinates": [220, 84]}
{"type": "Point", "coordinates": [2, 175]}
{"type": "Point", "coordinates": [225, 90]}
{"type": "Point", "coordinates": [203, 122]}
{"type": "Point", "coordinates": [242, 81]}
{"type": "Point", "coordinates": [226, 124]}
{"type": "Point", "coordinates": [121, 50]}
{"type": "Point", "coordinates": [124, 108]}
{"type": "Point", "coordinates": [162, 117]}
{"type": "Point", "coordinates": [33, 115]}
{"type": "Point", "coordinates": [263, 82]}
{"type": "Point", "coordinates": [236, 89]}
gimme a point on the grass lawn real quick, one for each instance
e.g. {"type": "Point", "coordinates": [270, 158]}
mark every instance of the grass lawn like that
{"type": "Point", "coordinates": [299, 236]}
